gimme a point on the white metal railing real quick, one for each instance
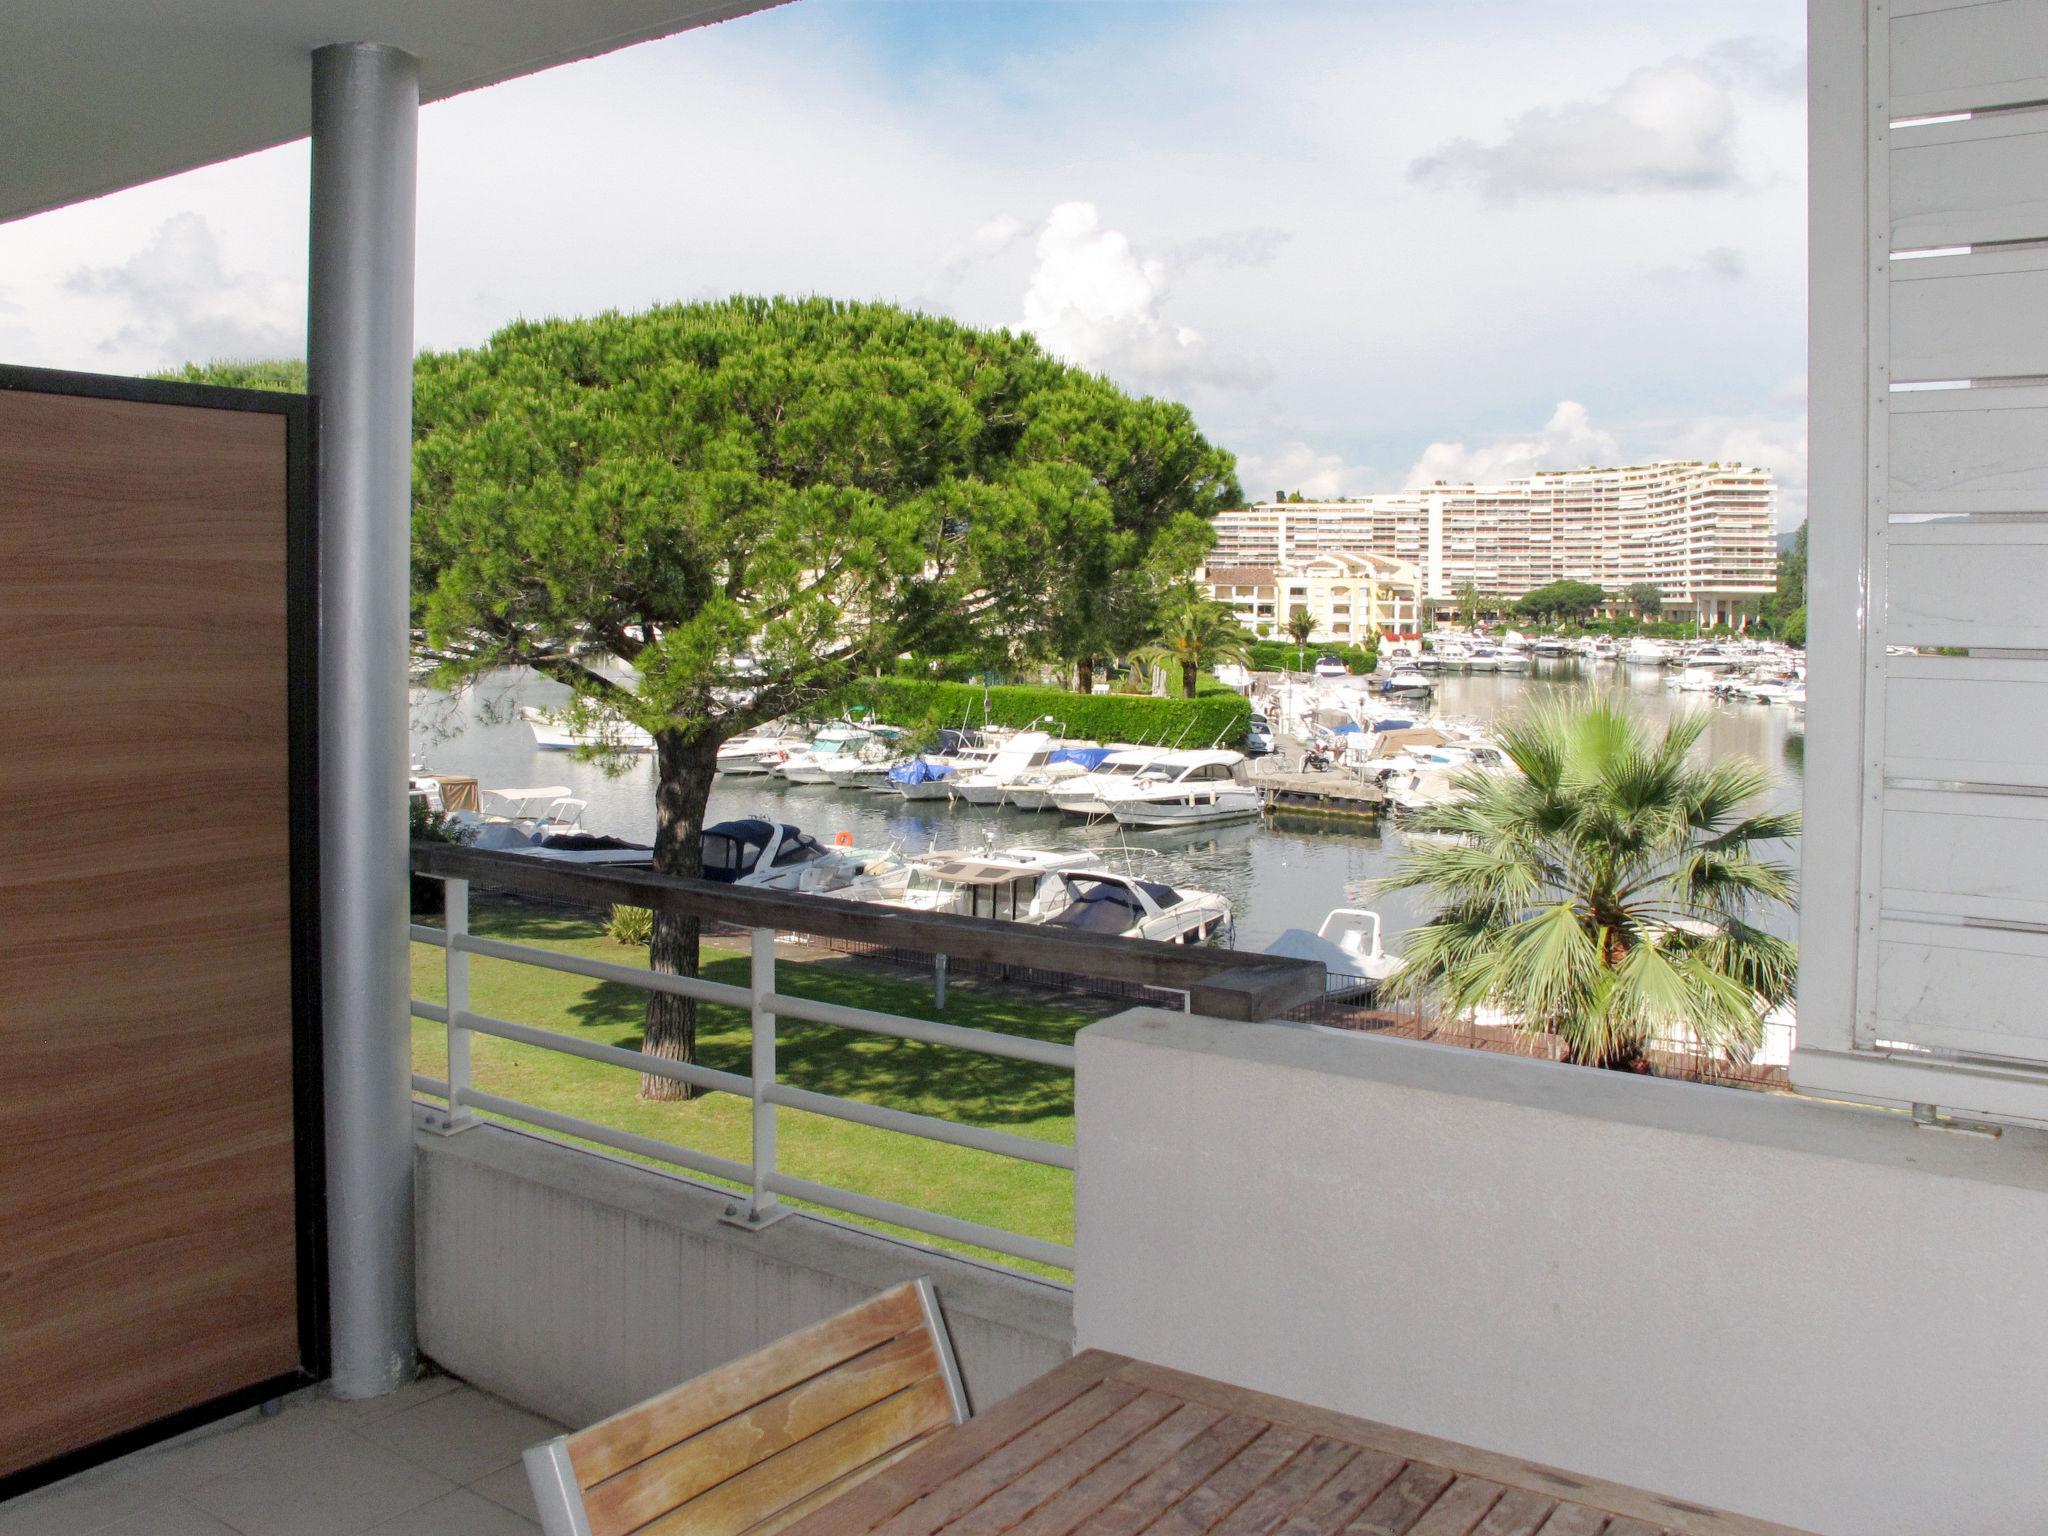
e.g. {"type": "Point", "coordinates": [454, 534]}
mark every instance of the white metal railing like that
{"type": "Point", "coordinates": [765, 1182]}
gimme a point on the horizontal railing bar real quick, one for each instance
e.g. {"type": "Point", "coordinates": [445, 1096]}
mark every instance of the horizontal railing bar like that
{"type": "Point", "coordinates": [433, 1013]}
{"type": "Point", "coordinates": [421, 1083]}
{"type": "Point", "coordinates": [422, 934]}
{"type": "Point", "coordinates": [988, 1042]}
{"type": "Point", "coordinates": [977, 1138]}
{"type": "Point", "coordinates": [1036, 946]}
{"type": "Point", "coordinates": [1018, 1247]}
{"type": "Point", "coordinates": [607, 970]}
{"type": "Point", "coordinates": [611, 1055]}
{"type": "Point", "coordinates": [607, 1136]}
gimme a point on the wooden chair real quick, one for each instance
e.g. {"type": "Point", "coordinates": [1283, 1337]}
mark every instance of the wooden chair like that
{"type": "Point", "coordinates": [754, 1445]}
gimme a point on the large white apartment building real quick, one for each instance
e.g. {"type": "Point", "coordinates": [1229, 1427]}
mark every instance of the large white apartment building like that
{"type": "Point", "coordinates": [1703, 533]}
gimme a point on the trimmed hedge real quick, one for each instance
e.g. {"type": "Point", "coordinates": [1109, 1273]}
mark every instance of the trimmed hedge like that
{"type": "Point", "coordinates": [927, 707]}
{"type": "Point", "coordinates": [1281, 655]}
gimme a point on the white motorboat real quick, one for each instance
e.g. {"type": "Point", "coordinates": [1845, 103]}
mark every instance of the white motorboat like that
{"type": "Point", "coordinates": [755, 755]}
{"type": "Point", "coordinates": [1550, 648]}
{"type": "Point", "coordinates": [1410, 681]}
{"type": "Point", "coordinates": [1185, 789]}
{"type": "Point", "coordinates": [1330, 666]}
{"type": "Point", "coordinates": [552, 732]}
{"type": "Point", "coordinates": [1348, 944]}
{"type": "Point", "coordinates": [777, 856]}
{"type": "Point", "coordinates": [1032, 789]}
{"type": "Point", "coordinates": [539, 808]}
{"type": "Point", "coordinates": [1483, 658]}
{"type": "Point", "coordinates": [1122, 905]}
{"type": "Point", "coordinates": [983, 783]}
{"type": "Point", "coordinates": [1642, 651]}
{"type": "Point", "coordinates": [1018, 885]}
{"type": "Point", "coordinates": [1086, 794]}
{"type": "Point", "coordinates": [1696, 680]}
{"type": "Point", "coordinates": [869, 768]}
{"type": "Point", "coordinates": [832, 744]}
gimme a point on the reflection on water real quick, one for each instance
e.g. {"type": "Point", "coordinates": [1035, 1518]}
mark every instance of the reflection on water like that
{"type": "Point", "coordinates": [1278, 875]}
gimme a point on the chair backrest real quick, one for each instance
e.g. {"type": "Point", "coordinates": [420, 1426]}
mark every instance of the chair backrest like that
{"type": "Point", "coordinates": [754, 1445]}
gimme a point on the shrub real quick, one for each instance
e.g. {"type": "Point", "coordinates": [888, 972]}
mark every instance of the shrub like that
{"type": "Point", "coordinates": [926, 707]}
{"type": "Point", "coordinates": [631, 926]}
{"type": "Point", "coordinates": [427, 825]}
{"type": "Point", "coordinates": [1285, 656]}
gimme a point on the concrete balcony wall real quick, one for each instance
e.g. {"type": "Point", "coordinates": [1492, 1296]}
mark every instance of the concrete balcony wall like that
{"type": "Point", "coordinates": [1806, 1313]}
{"type": "Point", "coordinates": [574, 1284]}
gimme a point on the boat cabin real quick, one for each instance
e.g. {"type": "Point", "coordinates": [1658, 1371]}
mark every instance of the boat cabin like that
{"type": "Point", "coordinates": [743, 852]}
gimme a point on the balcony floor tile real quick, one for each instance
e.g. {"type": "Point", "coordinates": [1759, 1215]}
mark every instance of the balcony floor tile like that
{"type": "Point", "coordinates": [393, 1465]}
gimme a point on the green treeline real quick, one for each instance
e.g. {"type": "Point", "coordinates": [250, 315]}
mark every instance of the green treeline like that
{"type": "Point", "coordinates": [926, 707]}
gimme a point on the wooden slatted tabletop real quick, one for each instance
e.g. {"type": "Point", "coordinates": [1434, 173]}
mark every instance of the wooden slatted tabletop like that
{"type": "Point", "coordinates": [1109, 1446]}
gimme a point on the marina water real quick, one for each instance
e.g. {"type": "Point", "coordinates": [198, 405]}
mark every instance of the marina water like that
{"type": "Point", "coordinates": [1278, 874]}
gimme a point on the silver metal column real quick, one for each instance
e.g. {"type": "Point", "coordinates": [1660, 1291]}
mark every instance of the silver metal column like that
{"type": "Point", "coordinates": [359, 356]}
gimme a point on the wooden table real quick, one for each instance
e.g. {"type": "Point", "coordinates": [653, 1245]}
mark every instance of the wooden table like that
{"type": "Point", "coordinates": [1109, 1446]}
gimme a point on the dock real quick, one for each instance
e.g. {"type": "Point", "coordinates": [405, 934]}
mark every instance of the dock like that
{"type": "Point", "coordinates": [1319, 794]}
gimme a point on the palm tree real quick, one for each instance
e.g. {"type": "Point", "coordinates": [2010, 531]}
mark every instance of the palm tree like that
{"type": "Point", "coordinates": [1301, 625]}
{"type": "Point", "coordinates": [1196, 633]}
{"type": "Point", "coordinates": [1604, 894]}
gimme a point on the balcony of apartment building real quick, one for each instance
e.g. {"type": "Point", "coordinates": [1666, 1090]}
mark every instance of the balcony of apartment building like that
{"type": "Point", "coordinates": [1524, 1296]}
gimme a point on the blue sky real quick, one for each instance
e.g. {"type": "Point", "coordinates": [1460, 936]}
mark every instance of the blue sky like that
{"type": "Point", "coordinates": [1368, 243]}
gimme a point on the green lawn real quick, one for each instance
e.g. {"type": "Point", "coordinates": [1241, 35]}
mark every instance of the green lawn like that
{"type": "Point", "coordinates": [1014, 1096]}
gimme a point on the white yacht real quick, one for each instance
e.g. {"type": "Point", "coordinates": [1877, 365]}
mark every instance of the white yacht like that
{"type": "Point", "coordinates": [983, 784]}
{"type": "Point", "coordinates": [1086, 794]}
{"type": "Point", "coordinates": [553, 733]}
{"type": "Point", "coordinates": [776, 856]}
{"type": "Point", "coordinates": [1482, 657]}
{"type": "Point", "coordinates": [756, 754]}
{"type": "Point", "coordinates": [1017, 885]}
{"type": "Point", "coordinates": [1032, 789]}
{"type": "Point", "coordinates": [1348, 944]}
{"type": "Point", "coordinates": [1185, 789]}
{"type": "Point", "coordinates": [1122, 905]}
{"type": "Point", "coordinates": [1330, 666]}
{"type": "Point", "coordinates": [1642, 651]}
{"type": "Point", "coordinates": [832, 744]}
{"type": "Point", "coordinates": [869, 768]}
{"type": "Point", "coordinates": [924, 776]}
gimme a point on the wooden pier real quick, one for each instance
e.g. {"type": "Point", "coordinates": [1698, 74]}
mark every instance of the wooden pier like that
{"type": "Point", "coordinates": [1319, 794]}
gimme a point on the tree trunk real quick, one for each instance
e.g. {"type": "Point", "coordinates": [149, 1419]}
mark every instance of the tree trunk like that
{"type": "Point", "coordinates": [1084, 675]}
{"type": "Point", "coordinates": [684, 767]}
{"type": "Point", "coordinates": [1187, 679]}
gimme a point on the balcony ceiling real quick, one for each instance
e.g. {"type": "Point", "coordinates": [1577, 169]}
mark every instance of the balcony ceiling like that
{"type": "Point", "coordinates": [96, 95]}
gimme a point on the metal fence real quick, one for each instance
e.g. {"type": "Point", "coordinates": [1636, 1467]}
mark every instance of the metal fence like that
{"type": "Point", "coordinates": [1212, 981]}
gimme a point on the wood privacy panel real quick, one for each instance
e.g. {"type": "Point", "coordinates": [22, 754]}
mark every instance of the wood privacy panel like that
{"type": "Point", "coordinates": [1953, 927]}
{"type": "Point", "coordinates": [149, 1217]}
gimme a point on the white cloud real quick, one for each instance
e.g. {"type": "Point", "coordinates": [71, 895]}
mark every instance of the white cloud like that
{"type": "Point", "coordinates": [1569, 440]}
{"type": "Point", "coordinates": [1258, 246]}
{"type": "Point", "coordinates": [1719, 263]}
{"type": "Point", "coordinates": [988, 241]}
{"type": "Point", "coordinates": [1666, 127]}
{"type": "Point", "coordinates": [1298, 466]}
{"type": "Point", "coordinates": [1094, 301]}
{"type": "Point", "coordinates": [1776, 443]}
{"type": "Point", "coordinates": [176, 298]}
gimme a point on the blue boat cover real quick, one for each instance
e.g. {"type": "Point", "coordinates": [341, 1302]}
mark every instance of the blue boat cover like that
{"type": "Point", "coordinates": [1087, 757]}
{"type": "Point", "coordinates": [918, 771]}
{"type": "Point", "coordinates": [1347, 729]}
{"type": "Point", "coordinates": [1391, 724]}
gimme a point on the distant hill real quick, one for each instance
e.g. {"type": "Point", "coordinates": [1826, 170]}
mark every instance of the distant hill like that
{"type": "Point", "coordinates": [1785, 539]}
